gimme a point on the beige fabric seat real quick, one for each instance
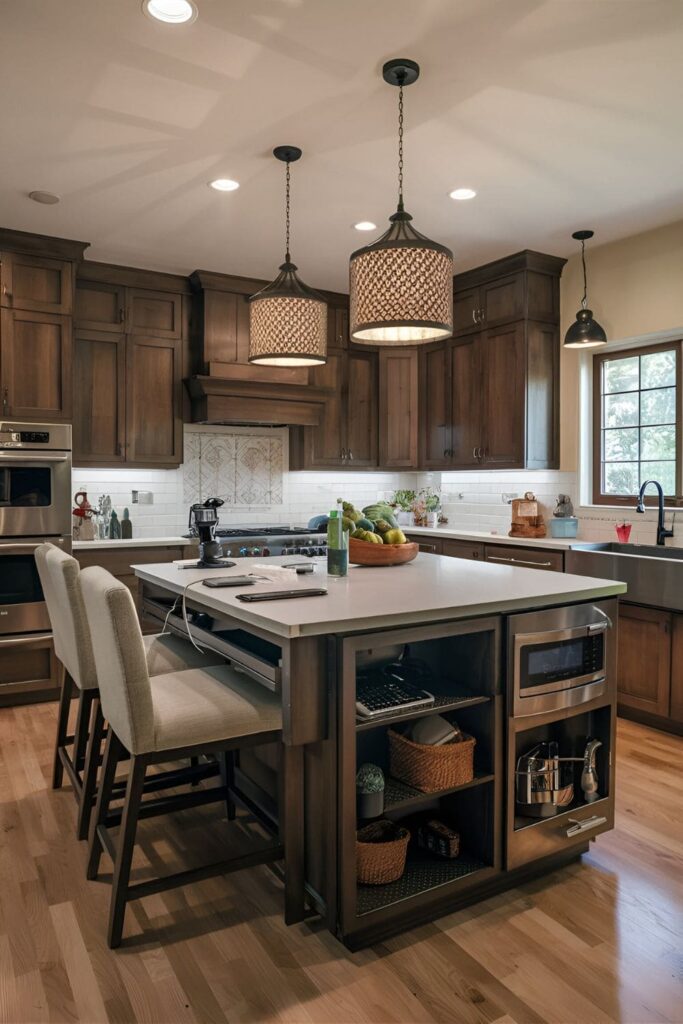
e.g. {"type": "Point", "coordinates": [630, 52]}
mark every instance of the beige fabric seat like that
{"type": "Point", "coordinates": [59, 574]}
{"type": "Point", "coordinates": [198, 710]}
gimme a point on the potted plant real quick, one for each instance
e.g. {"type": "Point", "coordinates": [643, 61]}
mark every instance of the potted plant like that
{"type": "Point", "coordinates": [425, 507]}
{"type": "Point", "coordinates": [369, 791]}
{"type": "Point", "coordinates": [402, 501]}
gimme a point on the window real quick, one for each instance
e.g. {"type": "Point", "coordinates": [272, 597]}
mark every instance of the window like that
{"type": "Point", "coordinates": [636, 423]}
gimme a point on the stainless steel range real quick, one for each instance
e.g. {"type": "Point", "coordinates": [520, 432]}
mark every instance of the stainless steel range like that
{"type": "Point", "coordinates": [35, 505]}
{"type": "Point", "coordinates": [261, 541]}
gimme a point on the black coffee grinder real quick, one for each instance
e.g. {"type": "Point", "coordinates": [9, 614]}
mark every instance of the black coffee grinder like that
{"type": "Point", "coordinates": [204, 517]}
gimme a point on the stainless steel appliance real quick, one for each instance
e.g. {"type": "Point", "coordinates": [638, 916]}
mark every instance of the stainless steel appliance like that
{"type": "Point", "coordinates": [261, 541]}
{"type": "Point", "coordinates": [35, 506]}
{"type": "Point", "coordinates": [204, 519]}
{"type": "Point", "coordinates": [557, 658]}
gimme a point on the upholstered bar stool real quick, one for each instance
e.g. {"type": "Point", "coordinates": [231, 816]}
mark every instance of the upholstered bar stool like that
{"type": "Point", "coordinates": [161, 718]}
{"type": "Point", "coordinates": [73, 646]}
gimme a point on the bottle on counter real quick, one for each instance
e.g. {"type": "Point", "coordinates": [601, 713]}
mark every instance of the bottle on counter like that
{"type": "Point", "coordinates": [337, 543]}
{"type": "Point", "coordinates": [114, 527]}
{"type": "Point", "coordinates": [126, 526]}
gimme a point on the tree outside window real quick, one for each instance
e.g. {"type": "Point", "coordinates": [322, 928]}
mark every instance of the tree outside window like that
{"type": "Point", "coordinates": [637, 418]}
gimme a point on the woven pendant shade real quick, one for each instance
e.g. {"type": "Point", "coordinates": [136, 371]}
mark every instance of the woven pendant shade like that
{"type": "Point", "coordinates": [401, 288]}
{"type": "Point", "coordinates": [287, 319]}
{"type": "Point", "coordinates": [287, 323]}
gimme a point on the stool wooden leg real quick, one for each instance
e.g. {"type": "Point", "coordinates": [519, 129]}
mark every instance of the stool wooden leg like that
{"type": "Point", "coordinates": [124, 852]}
{"type": "Point", "coordinates": [292, 830]}
{"type": "Point", "coordinates": [85, 699]}
{"type": "Point", "coordinates": [62, 728]}
{"type": "Point", "coordinates": [90, 770]}
{"type": "Point", "coordinates": [227, 767]}
{"type": "Point", "coordinates": [112, 753]}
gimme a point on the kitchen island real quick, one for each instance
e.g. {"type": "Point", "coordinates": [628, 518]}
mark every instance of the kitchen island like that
{"type": "Point", "coordinates": [453, 616]}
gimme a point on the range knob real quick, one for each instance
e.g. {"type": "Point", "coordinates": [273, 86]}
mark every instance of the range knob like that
{"type": "Point", "coordinates": [321, 549]}
{"type": "Point", "coordinates": [308, 551]}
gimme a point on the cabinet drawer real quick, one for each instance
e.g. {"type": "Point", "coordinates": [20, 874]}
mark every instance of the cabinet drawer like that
{"type": "Point", "coordinates": [526, 558]}
{"type": "Point", "coordinates": [430, 545]}
{"type": "Point", "coordinates": [463, 549]}
{"type": "Point", "coordinates": [564, 831]}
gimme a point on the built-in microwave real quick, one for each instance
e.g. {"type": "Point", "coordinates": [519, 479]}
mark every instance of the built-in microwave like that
{"type": "Point", "coordinates": [35, 480]}
{"type": "Point", "coordinates": [557, 658]}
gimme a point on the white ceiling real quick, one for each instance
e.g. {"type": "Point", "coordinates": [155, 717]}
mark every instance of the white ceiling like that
{"type": "Point", "coordinates": [562, 114]}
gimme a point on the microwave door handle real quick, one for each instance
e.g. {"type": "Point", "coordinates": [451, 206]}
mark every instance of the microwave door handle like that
{"type": "Point", "coordinates": [600, 627]}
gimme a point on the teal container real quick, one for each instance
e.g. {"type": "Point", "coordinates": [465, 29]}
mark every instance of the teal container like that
{"type": "Point", "coordinates": [567, 526]}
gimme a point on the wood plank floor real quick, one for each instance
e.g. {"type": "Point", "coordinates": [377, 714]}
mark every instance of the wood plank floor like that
{"type": "Point", "coordinates": [600, 941]}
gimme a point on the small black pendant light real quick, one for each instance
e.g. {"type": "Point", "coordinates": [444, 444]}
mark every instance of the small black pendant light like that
{"type": "Point", "coordinates": [585, 332]}
{"type": "Point", "coordinates": [287, 319]}
{"type": "Point", "coordinates": [401, 286]}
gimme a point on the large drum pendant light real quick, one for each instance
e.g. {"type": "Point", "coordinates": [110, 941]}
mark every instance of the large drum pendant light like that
{"type": "Point", "coordinates": [401, 285]}
{"type": "Point", "coordinates": [585, 332]}
{"type": "Point", "coordinates": [287, 319]}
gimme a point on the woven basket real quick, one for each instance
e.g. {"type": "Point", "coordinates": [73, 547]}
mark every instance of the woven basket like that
{"type": "Point", "coordinates": [431, 768]}
{"type": "Point", "coordinates": [381, 849]}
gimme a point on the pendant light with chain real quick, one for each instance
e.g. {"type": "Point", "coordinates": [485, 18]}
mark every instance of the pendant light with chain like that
{"type": "Point", "coordinates": [585, 332]}
{"type": "Point", "coordinates": [287, 319]}
{"type": "Point", "coordinates": [401, 286]}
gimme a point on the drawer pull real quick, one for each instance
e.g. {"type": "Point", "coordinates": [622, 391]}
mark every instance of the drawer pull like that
{"type": "Point", "coordinates": [517, 561]}
{"type": "Point", "coordinates": [577, 827]}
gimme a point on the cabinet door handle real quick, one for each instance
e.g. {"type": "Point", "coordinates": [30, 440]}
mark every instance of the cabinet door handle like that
{"type": "Point", "coordinates": [474, 316]}
{"type": "Point", "coordinates": [349, 454]}
{"type": "Point", "coordinates": [5, 399]}
{"type": "Point", "coordinates": [517, 561]}
{"type": "Point", "coordinates": [482, 315]}
{"type": "Point", "coordinates": [577, 827]}
{"type": "Point", "coordinates": [122, 315]}
{"type": "Point", "coordinates": [343, 454]}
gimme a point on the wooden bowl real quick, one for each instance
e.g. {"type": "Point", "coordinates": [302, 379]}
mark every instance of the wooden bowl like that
{"type": "Point", "coordinates": [362, 552]}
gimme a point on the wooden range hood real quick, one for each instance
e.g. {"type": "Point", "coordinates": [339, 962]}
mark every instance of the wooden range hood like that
{"type": "Point", "coordinates": [221, 400]}
{"type": "Point", "coordinates": [225, 387]}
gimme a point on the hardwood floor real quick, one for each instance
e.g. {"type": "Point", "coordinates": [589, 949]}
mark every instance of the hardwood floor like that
{"type": "Point", "coordinates": [600, 941]}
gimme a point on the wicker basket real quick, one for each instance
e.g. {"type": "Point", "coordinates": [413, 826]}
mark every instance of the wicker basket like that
{"type": "Point", "coordinates": [431, 768]}
{"type": "Point", "coordinates": [381, 849]}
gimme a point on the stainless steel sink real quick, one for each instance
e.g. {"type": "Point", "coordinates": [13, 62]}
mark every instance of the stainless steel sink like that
{"type": "Point", "coordinates": [653, 574]}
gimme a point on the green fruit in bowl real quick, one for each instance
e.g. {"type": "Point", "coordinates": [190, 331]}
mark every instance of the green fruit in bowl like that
{"type": "Point", "coordinates": [367, 536]}
{"type": "Point", "coordinates": [352, 514]}
{"type": "Point", "coordinates": [382, 526]}
{"type": "Point", "coordinates": [394, 537]}
{"type": "Point", "coordinates": [365, 524]}
{"type": "Point", "coordinates": [348, 524]}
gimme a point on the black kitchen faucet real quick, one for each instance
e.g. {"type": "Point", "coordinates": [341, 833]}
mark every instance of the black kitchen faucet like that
{"type": "Point", "coordinates": [662, 532]}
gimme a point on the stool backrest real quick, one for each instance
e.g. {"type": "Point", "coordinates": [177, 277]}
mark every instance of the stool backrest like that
{"type": "Point", "coordinates": [125, 690]}
{"type": "Point", "coordinates": [59, 579]}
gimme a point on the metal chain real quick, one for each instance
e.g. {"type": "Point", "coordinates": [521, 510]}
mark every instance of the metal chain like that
{"type": "Point", "coordinates": [583, 263]}
{"type": "Point", "coordinates": [400, 146]}
{"type": "Point", "coordinates": [287, 179]}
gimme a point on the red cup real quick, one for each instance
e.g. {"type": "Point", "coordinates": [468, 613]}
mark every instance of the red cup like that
{"type": "Point", "coordinates": [623, 532]}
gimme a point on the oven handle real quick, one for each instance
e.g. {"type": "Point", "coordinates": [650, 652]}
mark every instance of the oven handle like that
{"type": "Point", "coordinates": [18, 641]}
{"type": "Point", "coordinates": [18, 456]}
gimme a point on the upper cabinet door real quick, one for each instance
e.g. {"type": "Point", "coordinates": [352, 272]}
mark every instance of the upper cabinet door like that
{"type": "Point", "coordinates": [361, 409]}
{"type": "Point", "coordinates": [503, 388]}
{"type": "Point", "coordinates": [324, 446]}
{"type": "Point", "coordinates": [466, 446]}
{"type": "Point", "coordinates": [502, 301]}
{"type": "Point", "coordinates": [100, 307]}
{"type": "Point", "coordinates": [156, 314]}
{"type": "Point", "coordinates": [398, 408]}
{"type": "Point", "coordinates": [36, 283]}
{"type": "Point", "coordinates": [153, 401]}
{"type": "Point", "coordinates": [99, 398]}
{"type": "Point", "coordinates": [337, 327]}
{"type": "Point", "coordinates": [36, 350]}
{"type": "Point", "coordinates": [435, 407]}
{"type": "Point", "coordinates": [466, 311]}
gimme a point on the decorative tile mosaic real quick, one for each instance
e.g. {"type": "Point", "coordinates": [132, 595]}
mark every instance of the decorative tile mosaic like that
{"type": "Point", "coordinates": [242, 469]}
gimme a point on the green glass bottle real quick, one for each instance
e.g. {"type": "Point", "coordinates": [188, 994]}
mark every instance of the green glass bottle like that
{"type": "Point", "coordinates": [337, 544]}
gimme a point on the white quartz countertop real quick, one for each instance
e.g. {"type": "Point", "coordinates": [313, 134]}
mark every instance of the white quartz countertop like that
{"type": "Point", "coordinates": [484, 536]}
{"type": "Point", "coordinates": [432, 588]}
{"type": "Point", "coordinates": [133, 542]}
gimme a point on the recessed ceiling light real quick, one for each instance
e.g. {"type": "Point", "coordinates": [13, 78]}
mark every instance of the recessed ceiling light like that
{"type": "Point", "coordinates": [48, 198]}
{"type": "Point", "coordinates": [224, 184]}
{"type": "Point", "coordinates": [173, 12]}
{"type": "Point", "coordinates": [365, 225]}
{"type": "Point", "coordinates": [463, 193]}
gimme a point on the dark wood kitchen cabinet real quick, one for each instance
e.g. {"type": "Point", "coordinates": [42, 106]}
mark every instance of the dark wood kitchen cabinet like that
{"type": "Point", "coordinates": [644, 662]}
{"type": "Point", "coordinates": [398, 408]}
{"type": "Point", "coordinates": [347, 436]}
{"type": "Point", "coordinates": [36, 306]}
{"type": "Point", "coordinates": [676, 701]}
{"type": "Point", "coordinates": [489, 396]}
{"type": "Point", "coordinates": [128, 367]}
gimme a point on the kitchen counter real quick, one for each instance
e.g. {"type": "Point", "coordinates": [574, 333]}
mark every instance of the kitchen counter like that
{"type": "Point", "coordinates": [431, 588]}
{"type": "Point", "coordinates": [134, 542]}
{"type": "Point", "coordinates": [485, 536]}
